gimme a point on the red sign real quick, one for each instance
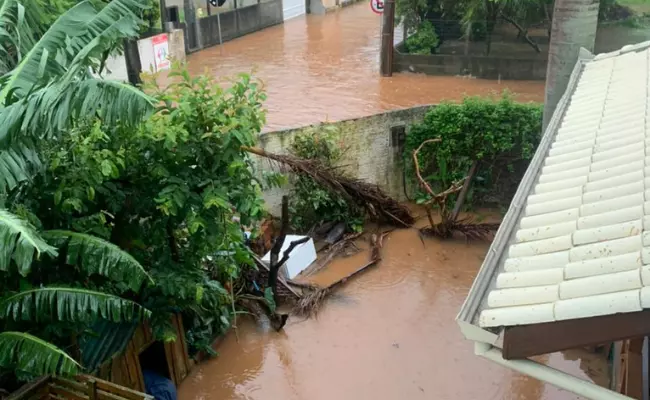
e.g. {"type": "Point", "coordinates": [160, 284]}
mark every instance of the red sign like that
{"type": "Point", "coordinates": [161, 51]}
{"type": "Point", "coordinates": [377, 6]}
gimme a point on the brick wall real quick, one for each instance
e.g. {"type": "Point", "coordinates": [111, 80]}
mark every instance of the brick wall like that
{"type": "Point", "coordinates": [374, 149]}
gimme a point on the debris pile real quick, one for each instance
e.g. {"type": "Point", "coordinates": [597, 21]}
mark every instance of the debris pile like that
{"type": "Point", "coordinates": [378, 204]}
{"type": "Point", "coordinates": [314, 296]}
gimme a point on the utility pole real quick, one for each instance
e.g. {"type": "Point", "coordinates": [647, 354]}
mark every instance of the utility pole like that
{"type": "Point", "coordinates": [387, 32]}
{"type": "Point", "coordinates": [574, 26]}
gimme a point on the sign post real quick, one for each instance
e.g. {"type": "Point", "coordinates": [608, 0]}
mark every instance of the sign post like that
{"type": "Point", "coordinates": [377, 6]}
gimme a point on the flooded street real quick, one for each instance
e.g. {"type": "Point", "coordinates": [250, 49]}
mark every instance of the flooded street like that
{"type": "Point", "coordinates": [388, 333]}
{"type": "Point", "coordinates": [318, 68]}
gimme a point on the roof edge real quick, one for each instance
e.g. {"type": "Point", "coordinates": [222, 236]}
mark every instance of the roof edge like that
{"type": "Point", "coordinates": [625, 49]}
{"type": "Point", "coordinates": [548, 374]}
{"type": "Point", "coordinates": [488, 268]}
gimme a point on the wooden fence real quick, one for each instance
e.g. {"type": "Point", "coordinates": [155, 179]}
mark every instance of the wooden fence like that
{"type": "Point", "coordinates": [83, 388]}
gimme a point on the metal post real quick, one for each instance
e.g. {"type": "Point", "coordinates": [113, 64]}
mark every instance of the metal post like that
{"type": "Point", "coordinates": [219, 27]}
{"type": "Point", "coordinates": [645, 368]}
{"type": "Point", "coordinates": [388, 29]}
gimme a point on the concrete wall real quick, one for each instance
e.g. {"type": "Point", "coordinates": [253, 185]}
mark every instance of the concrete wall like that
{"type": "Point", "coordinates": [487, 67]}
{"type": "Point", "coordinates": [239, 22]}
{"type": "Point", "coordinates": [116, 64]}
{"type": "Point", "coordinates": [320, 7]}
{"type": "Point", "coordinates": [373, 153]}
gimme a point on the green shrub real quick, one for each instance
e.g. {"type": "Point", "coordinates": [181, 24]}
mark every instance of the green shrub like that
{"type": "Point", "coordinates": [311, 203]}
{"type": "Point", "coordinates": [424, 40]}
{"type": "Point", "coordinates": [166, 191]}
{"type": "Point", "coordinates": [500, 133]}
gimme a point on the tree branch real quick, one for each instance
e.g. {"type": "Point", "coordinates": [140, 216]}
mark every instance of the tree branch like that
{"type": "Point", "coordinates": [274, 266]}
{"type": "Point", "coordinates": [287, 252]}
{"type": "Point", "coordinates": [522, 32]}
{"type": "Point", "coordinates": [423, 183]}
{"type": "Point", "coordinates": [441, 198]}
{"type": "Point", "coordinates": [171, 241]}
{"type": "Point", "coordinates": [463, 192]}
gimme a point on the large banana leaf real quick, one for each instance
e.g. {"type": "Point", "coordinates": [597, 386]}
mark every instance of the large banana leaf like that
{"type": "Point", "coordinates": [24, 352]}
{"type": "Point", "coordinates": [71, 34]}
{"type": "Point", "coordinates": [19, 242]}
{"type": "Point", "coordinates": [17, 164]}
{"type": "Point", "coordinates": [97, 256]}
{"type": "Point", "coordinates": [53, 108]}
{"type": "Point", "coordinates": [51, 88]}
{"type": "Point", "coordinates": [69, 304]}
{"type": "Point", "coordinates": [19, 26]}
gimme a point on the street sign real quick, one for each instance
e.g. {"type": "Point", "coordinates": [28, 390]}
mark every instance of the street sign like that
{"type": "Point", "coordinates": [377, 6]}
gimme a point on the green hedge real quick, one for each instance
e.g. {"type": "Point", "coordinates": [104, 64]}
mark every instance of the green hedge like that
{"type": "Point", "coordinates": [499, 132]}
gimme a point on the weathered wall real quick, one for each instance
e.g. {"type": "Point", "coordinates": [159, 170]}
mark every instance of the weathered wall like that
{"type": "Point", "coordinates": [116, 65]}
{"type": "Point", "coordinates": [488, 67]}
{"type": "Point", "coordinates": [320, 7]}
{"type": "Point", "coordinates": [374, 149]}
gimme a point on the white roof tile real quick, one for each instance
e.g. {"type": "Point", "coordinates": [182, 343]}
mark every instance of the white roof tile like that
{"type": "Point", "coordinates": [532, 278]}
{"type": "Point", "coordinates": [582, 246]}
{"type": "Point", "coordinates": [604, 265]}
{"type": "Point", "coordinates": [529, 295]}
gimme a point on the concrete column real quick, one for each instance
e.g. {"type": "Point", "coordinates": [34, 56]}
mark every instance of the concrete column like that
{"type": "Point", "coordinates": [574, 26]}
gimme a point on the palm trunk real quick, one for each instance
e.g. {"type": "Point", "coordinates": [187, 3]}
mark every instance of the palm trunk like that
{"type": "Point", "coordinates": [574, 26]}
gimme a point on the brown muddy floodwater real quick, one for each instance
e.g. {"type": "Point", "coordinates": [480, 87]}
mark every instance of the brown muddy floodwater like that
{"type": "Point", "coordinates": [318, 68]}
{"type": "Point", "coordinates": [388, 333]}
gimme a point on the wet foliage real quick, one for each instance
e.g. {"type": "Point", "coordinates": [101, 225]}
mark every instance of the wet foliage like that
{"type": "Point", "coordinates": [498, 132]}
{"type": "Point", "coordinates": [311, 202]}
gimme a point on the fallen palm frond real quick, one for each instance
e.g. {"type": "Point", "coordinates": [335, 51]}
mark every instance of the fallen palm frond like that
{"type": "Point", "coordinates": [466, 227]}
{"type": "Point", "coordinates": [311, 302]}
{"type": "Point", "coordinates": [377, 203]}
{"type": "Point", "coordinates": [449, 222]}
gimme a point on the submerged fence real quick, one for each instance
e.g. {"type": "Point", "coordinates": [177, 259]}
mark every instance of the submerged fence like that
{"type": "Point", "coordinates": [206, 25]}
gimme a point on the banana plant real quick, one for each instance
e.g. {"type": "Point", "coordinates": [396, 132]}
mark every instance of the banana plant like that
{"type": "Point", "coordinates": [47, 86]}
{"type": "Point", "coordinates": [22, 245]}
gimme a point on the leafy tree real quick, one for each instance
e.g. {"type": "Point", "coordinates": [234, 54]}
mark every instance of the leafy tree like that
{"type": "Point", "coordinates": [167, 192]}
{"type": "Point", "coordinates": [189, 187]}
{"type": "Point", "coordinates": [89, 193]}
{"type": "Point", "coordinates": [497, 132]}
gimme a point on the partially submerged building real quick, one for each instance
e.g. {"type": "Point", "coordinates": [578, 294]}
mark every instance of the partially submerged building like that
{"type": "Point", "coordinates": [570, 265]}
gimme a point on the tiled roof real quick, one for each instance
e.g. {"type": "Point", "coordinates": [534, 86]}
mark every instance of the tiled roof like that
{"type": "Point", "coordinates": [582, 244]}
